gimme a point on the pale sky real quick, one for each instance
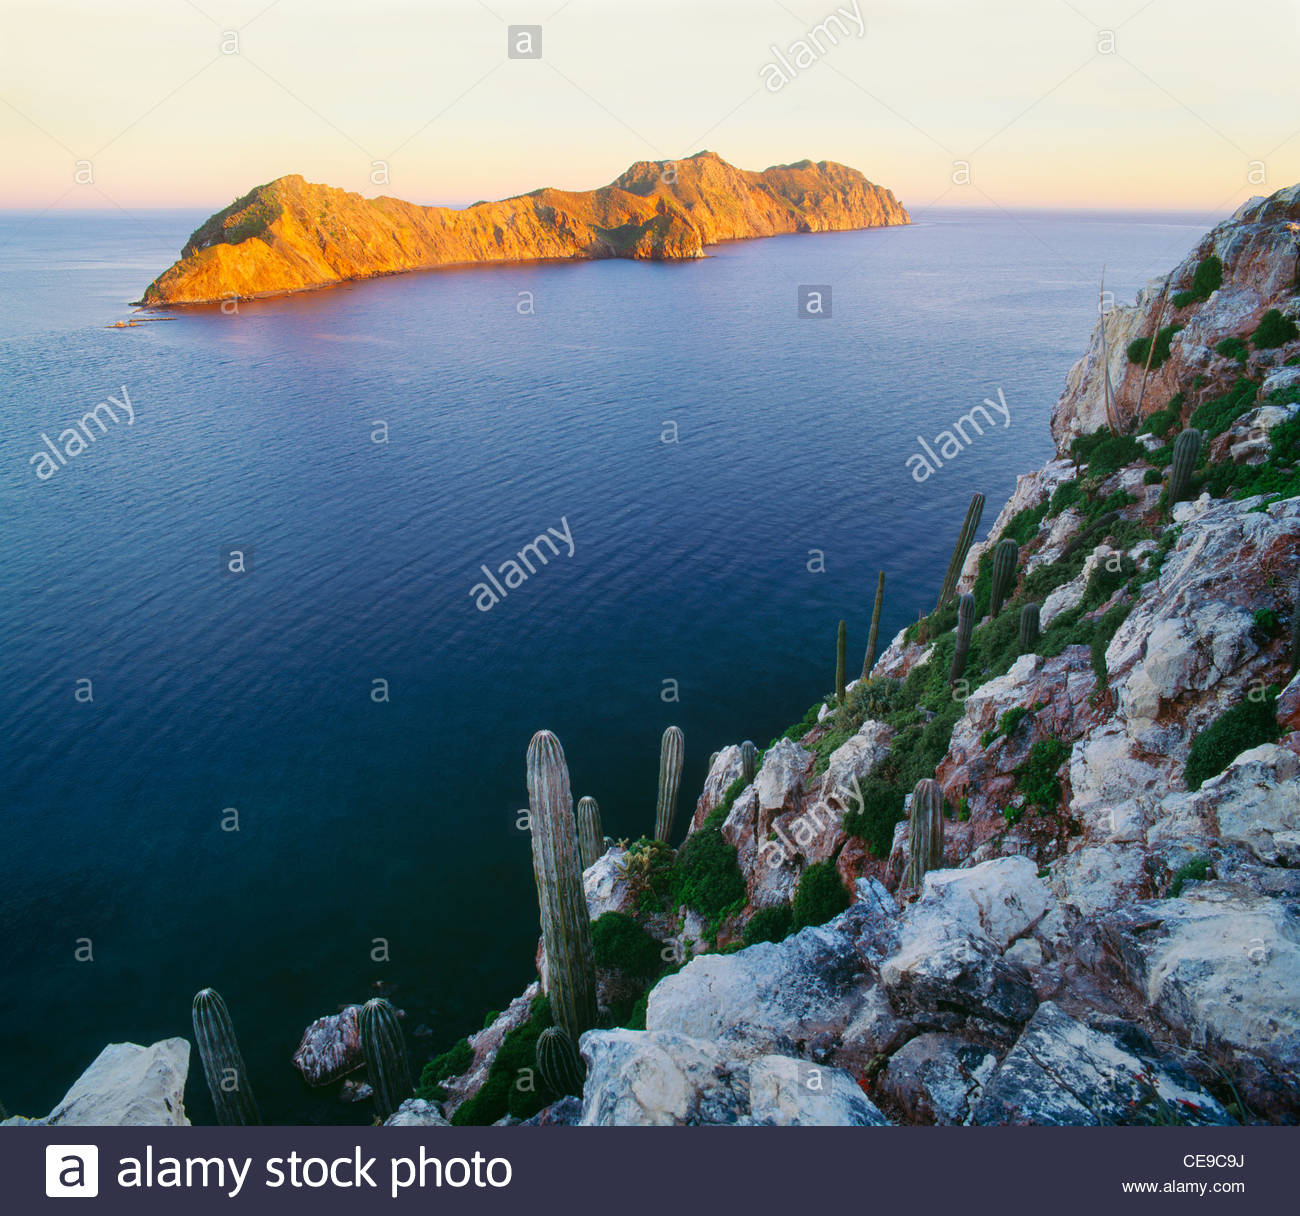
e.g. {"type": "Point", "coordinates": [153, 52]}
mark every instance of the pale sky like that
{"type": "Point", "coordinates": [1184, 103]}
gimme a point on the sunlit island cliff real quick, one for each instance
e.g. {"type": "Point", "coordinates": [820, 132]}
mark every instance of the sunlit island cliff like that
{"type": "Point", "coordinates": [292, 235]}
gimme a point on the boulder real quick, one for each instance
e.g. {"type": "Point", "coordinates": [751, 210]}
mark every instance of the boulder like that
{"type": "Point", "coordinates": [1256, 802]}
{"type": "Point", "coordinates": [1220, 965]}
{"type": "Point", "coordinates": [416, 1112]}
{"type": "Point", "coordinates": [795, 997]}
{"type": "Point", "coordinates": [330, 1048]}
{"type": "Point", "coordinates": [127, 1085]}
{"type": "Point", "coordinates": [1003, 898]}
{"type": "Point", "coordinates": [725, 769]}
{"type": "Point", "coordinates": [1094, 878]}
{"type": "Point", "coordinates": [853, 761]}
{"type": "Point", "coordinates": [936, 1078]}
{"type": "Point", "coordinates": [660, 1079]}
{"type": "Point", "coordinates": [793, 1093]}
{"type": "Point", "coordinates": [605, 887]}
{"type": "Point", "coordinates": [1063, 1072]}
{"type": "Point", "coordinates": [567, 1112]}
{"type": "Point", "coordinates": [941, 976]}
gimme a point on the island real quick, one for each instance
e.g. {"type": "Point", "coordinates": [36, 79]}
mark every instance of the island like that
{"type": "Point", "coordinates": [293, 235]}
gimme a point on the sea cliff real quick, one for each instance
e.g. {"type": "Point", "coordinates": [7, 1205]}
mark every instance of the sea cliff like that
{"type": "Point", "coordinates": [1107, 928]}
{"type": "Point", "coordinates": [292, 235]}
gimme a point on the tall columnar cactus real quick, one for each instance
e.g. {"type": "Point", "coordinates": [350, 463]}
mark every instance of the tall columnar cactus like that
{"type": "Point", "coordinates": [964, 541]}
{"type": "Point", "coordinates": [713, 759]}
{"type": "Point", "coordinates": [559, 1063]}
{"type": "Point", "coordinates": [748, 760]}
{"type": "Point", "coordinates": [1187, 447]}
{"type": "Point", "coordinates": [925, 838]}
{"type": "Point", "coordinates": [672, 749]}
{"type": "Point", "coordinates": [1295, 630]}
{"type": "Point", "coordinates": [557, 867]}
{"type": "Point", "coordinates": [841, 649]}
{"type": "Point", "coordinates": [591, 840]}
{"type": "Point", "coordinates": [1028, 628]}
{"type": "Point", "coordinates": [874, 636]}
{"type": "Point", "coordinates": [1005, 555]}
{"type": "Point", "coordinates": [384, 1047]}
{"type": "Point", "coordinates": [223, 1065]}
{"type": "Point", "coordinates": [965, 630]}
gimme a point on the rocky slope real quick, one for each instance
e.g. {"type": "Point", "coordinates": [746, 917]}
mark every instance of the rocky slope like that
{"type": "Point", "coordinates": [1114, 933]}
{"type": "Point", "coordinates": [291, 235]}
{"type": "Point", "coordinates": [1259, 252]}
{"type": "Point", "coordinates": [1111, 932]}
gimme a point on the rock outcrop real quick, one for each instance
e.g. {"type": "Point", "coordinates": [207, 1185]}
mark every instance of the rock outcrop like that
{"type": "Point", "coordinates": [292, 235]}
{"type": "Point", "coordinates": [126, 1086]}
{"type": "Point", "coordinates": [1260, 251]}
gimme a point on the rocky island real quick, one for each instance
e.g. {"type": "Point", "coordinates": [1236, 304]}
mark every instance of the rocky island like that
{"type": "Point", "coordinates": [1039, 864]}
{"type": "Point", "coordinates": [292, 235]}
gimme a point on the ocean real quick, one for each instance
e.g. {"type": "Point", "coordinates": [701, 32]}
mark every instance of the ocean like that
{"type": "Point", "coordinates": [260, 726]}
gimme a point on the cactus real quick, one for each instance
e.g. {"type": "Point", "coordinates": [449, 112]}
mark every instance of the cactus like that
{"type": "Point", "coordinates": [841, 647]}
{"type": "Point", "coordinates": [925, 838]}
{"type": "Point", "coordinates": [223, 1065]}
{"type": "Point", "coordinates": [591, 840]}
{"type": "Point", "coordinates": [566, 928]}
{"type": "Point", "coordinates": [1187, 447]}
{"type": "Point", "coordinates": [713, 759]}
{"type": "Point", "coordinates": [965, 629]}
{"type": "Point", "coordinates": [964, 541]}
{"type": "Point", "coordinates": [1005, 555]}
{"type": "Point", "coordinates": [671, 751]}
{"type": "Point", "coordinates": [748, 760]}
{"type": "Point", "coordinates": [1028, 628]}
{"type": "Point", "coordinates": [384, 1047]}
{"type": "Point", "coordinates": [558, 1062]}
{"type": "Point", "coordinates": [870, 660]}
{"type": "Point", "coordinates": [1295, 631]}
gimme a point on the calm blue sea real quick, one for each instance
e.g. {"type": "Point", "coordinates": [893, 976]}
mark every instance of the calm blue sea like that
{"type": "Point", "coordinates": [361, 819]}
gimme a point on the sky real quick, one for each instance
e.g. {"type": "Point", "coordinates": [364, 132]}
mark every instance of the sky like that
{"type": "Point", "coordinates": [1186, 104]}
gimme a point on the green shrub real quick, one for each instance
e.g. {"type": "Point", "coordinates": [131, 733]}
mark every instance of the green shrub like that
{"type": "Point", "coordinates": [718, 815]}
{"type": "Point", "coordinates": [1208, 277]}
{"type": "Point", "coordinates": [1107, 627]}
{"type": "Point", "coordinates": [1234, 348]}
{"type": "Point", "coordinates": [1064, 497]}
{"type": "Point", "coordinates": [620, 943]}
{"type": "Point", "coordinates": [499, 1094]}
{"type": "Point", "coordinates": [1139, 347]}
{"type": "Point", "coordinates": [819, 896]}
{"type": "Point", "coordinates": [636, 1019]}
{"type": "Point", "coordinates": [1105, 453]}
{"type": "Point", "coordinates": [873, 822]}
{"type": "Point", "coordinates": [1274, 330]}
{"type": "Point", "coordinates": [1152, 477]}
{"type": "Point", "coordinates": [1280, 474]}
{"type": "Point", "coordinates": [1267, 621]}
{"type": "Point", "coordinates": [1247, 724]}
{"type": "Point", "coordinates": [1012, 718]}
{"type": "Point", "coordinates": [1163, 421]}
{"type": "Point", "coordinates": [451, 1063]}
{"type": "Point", "coordinates": [769, 925]}
{"type": "Point", "coordinates": [1037, 777]}
{"type": "Point", "coordinates": [1023, 526]}
{"type": "Point", "coordinates": [1183, 298]}
{"type": "Point", "coordinates": [1219, 413]}
{"type": "Point", "coordinates": [705, 875]}
{"type": "Point", "coordinates": [1196, 870]}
